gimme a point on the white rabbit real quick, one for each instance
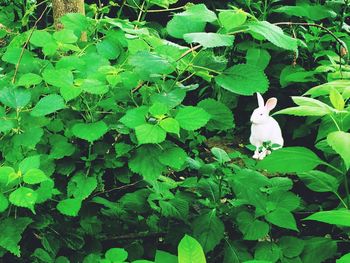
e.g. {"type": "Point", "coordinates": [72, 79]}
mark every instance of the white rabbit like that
{"type": "Point", "coordinates": [264, 128]}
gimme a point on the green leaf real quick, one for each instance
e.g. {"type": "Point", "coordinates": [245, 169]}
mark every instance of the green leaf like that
{"type": "Point", "coordinates": [4, 203]}
{"type": "Point", "coordinates": [81, 187]}
{"type": "Point", "coordinates": [5, 174]}
{"type": "Point", "coordinates": [274, 34]}
{"type": "Point", "coordinates": [170, 125]}
{"type": "Point", "coordinates": [304, 111]}
{"type": "Point", "coordinates": [135, 117]}
{"type": "Point", "coordinates": [116, 254]}
{"type": "Point", "coordinates": [146, 162]}
{"type": "Point", "coordinates": [90, 131]}
{"type": "Point", "coordinates": [29, 79]}
{"type": "Point", "coordinates": [171, 98]}
{"type": "Point", "coordinates": [176, 208]}
{"type": "Point", "coordinates": [40, 38]}
{"type": "Point", "coordinates": [158, 109]}
{"type": "Point", "coordinates": [30, 138]}
{"type": "Point", "coordinates": [76, 22]}
{"type": "Point", "coordinates": [312, 12]}
{"type": "Point", "coordinates": [65, 36]}
{"type": "Point", "coordinates": [243, 79]}
{"type": "Point", "coordinates": [208, 230]}
{"type": "Point", "coordinates": [333, 217]}
{"type": "Point", "coordinates": [302, 158]}
{"type": "Point", "coordinates": [258, 57]}
{"type": "Point", "coordinates": [252, 229]}
{"type": "Point", "coordinates": [221, 116]}
{"type": "Point", "coordinates": [108, 49]}
{"type": "Point", "coordinates": [230, 19]}
{"type": "Point", "coordinates": [94, 86]}
{"type": "Point", "coordinates": [318, 250]}
{"type": "Point", "coordinates": [11, 233]}
{"type": "Point", "coordinates": [69, 207]}
{"type": "Point", "coordinates": [24, 197]}
{"type": "Point", "coordinates": [15, 97]}
{"type": "Point", "coordinates": [267, 251]}
{"type": "Point", "coordinates": [283, 218]}
{"type": "Point", "coordinates": [175, 157]}
{"type": "Point", "coordinates": [62, 78]}
{"type": "Point", "coordinates": [31, 162]}
{"type": "Point", "coordinates": [192, 118]}
{"type": "Point", "coordinates": [60, 147]}
{"type": "Point", "coordinates": [344, 259]}
{"type": "Point", "coordinates": [336, 99]}
{"type": "Point", "coordinates": [190, 251]}
{"type": "Point", "coordinates": [340, 142]}
{"type": "Point", "coordinates": [47, 105]}
{"type": "Point", "coordinates": [69, 93]}
{"type": "Point", "coordinates": [163, 256]}
{"type": "Point", "coordinates": [209, 40]}
{"type": "Point", "coordinates": [319, 181]}
{"type": "Point", "coordinates": [148, 133]}
{"type": "Point", "coordinates": [34, 176]}
{"type": "Point", "coordinates": [291, 246]}
{"type": "Point", "coordinates": [220, 155]}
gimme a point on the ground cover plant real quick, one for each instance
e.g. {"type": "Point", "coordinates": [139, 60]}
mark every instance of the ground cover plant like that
{"type": "Point", "coordinates": [125, 134]}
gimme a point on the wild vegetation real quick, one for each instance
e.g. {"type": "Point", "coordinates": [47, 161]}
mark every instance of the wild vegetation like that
{"type": "Point", "coordinates": [125, 133]}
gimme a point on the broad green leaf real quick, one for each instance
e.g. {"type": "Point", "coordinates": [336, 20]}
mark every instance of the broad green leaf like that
{"type": "Point", "coordinates": [333, 217]}
{"type": "Point", "coordinates": [291, 246]}
{"type": "Point", "coordinates": [47, 105]}
{"type": "Point", "coordinates": [344, 259]}
{"type": "Point", "coordinates": [312, 12]}
{"type": "Point", "coordinates": [324, 89]}
{"type": "Point", "coordinates": [135, 117]}
{"type": "Point", "coordinates": [5, 174]}
{"type": "Point", "coordinates": [108, 49]}
{"type": "Point", "coordinates": [65, 36]}
{"type": "Point", "coordinates": [221, 116]}
{"type": "Point", "coordinates": [171, 99]}
{"type": "Point", "coordinates": [34, 176]}
{"type": "Point", "coordinates": [243, 79]}
{"type": "Point", "coordinates": [6, 125]}
{"type": "Point", "coordinates": [170, 125]}
{"type": "Point", "coordinates": [29, 138]}
{"type": "Point", "coordinates": [94, 86]}
{"type": "Point", "coordinates": [4, 203]}
{"type": "Point", "coordinates": [199, 13]}
{"type": "Point", "coordinates": [60, 147]}
{"type": "Point", "coordinates": [146, 162]}
{"type": "Point", "coordinates": [336, 99]}
{"type": "Point", "coordinates": [319, 181]}
{"type": "Point", "coordinates": [42, 255]}
{"type": "Point", "coordinates": [192, 118]}
{"type": "Point", "coordinates": [158, 109]}
{"type": "Point", "coordinates": [208, 230]}
{"type": "Point", "coordinates": [81, 187]}
{"type": "Point", "coordinates": [258, 57]}
{"type": "Point", "coordinates": [285, 200]}
{"type": "Point", "coordinates": [62, 78]}
{"type": "Point", "coordinates": [45, 191]}
{"type": "Point", "coordinates": [69, 207]}
{"type": "Point", "coordinates": [175, 157]}
{"type": "Point", "coordinates": [267, 251]}
{"type": "Point", "coordinates": [149, 133]}
{"type": "Point", "coordinates": [296, 74]}
{"type": "Point", "coordinates": [304, 111]}
{"type": "Point", "coordinates": [190, 251]}
{"type": "Point", "coordinates": [303, 160]}
{"type": "Point", "coordinates": [229, 19]}
{"type": "Point", "coordinates": [90, 131]}
{"type": "Point", "coordinates": [318, 250]}
{"type": "Point", "coordinates": [27, 62]}
{"type": "Point", "coordinates": [40, 38]}
{"type": "Point", "coordinates": [24, 197]}
{"type": "Point", "coordinates": [252, 229]}
{"type": "Point", "coordinates": [71, 92]}
{"type": "Point", "coordinates": [220, 155]}
{"type": "Point", "coordinates": [283, 218]}
{"type": "Point", "coordinates": [176, 208]}
{"type": "Point", "coordinates": [29, 79]}
{"type": "Point", "coordinates": [274, 34]}
{"type": "Point", "coordinates": [209, 40]}
{"type": "Point", "coordinates": [163, 256]}
{"type": "Point", "coordinates": [122, 148]}
{"type": "Point", "coordinates": [76, 22]}
{"type": "Point", "coordinates": [15, 97]}
{"type": "Point", "coordinates": [11, 233]}
{"type": "Point", "coordinates": [116, 254]}
{"type": "Point", "coordinates": [340, 142]}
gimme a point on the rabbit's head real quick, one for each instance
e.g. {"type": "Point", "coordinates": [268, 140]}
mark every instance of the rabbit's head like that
{"type": "Point", "coordinates": [261, 114]}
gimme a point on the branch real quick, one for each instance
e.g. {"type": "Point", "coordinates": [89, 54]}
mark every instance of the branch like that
{"type": "Point", "coordinates": [118, 188]}
{"type": "Point", "coordinates": [135, 236]}
{"type": "Point", "coordinates": [188, 52]}
{"type": "Point", "coordinates": [26, 43]}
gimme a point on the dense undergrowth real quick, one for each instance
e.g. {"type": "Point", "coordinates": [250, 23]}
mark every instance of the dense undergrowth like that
{"type": "Point", "coordinates": [134, 144]}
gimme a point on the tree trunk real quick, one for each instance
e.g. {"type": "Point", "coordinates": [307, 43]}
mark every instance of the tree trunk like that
{"type": "Point", "coordinates": [62, 7]}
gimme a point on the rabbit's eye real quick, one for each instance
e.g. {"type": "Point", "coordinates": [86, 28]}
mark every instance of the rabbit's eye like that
{"type": "Point", "coordinates": [261, 114]}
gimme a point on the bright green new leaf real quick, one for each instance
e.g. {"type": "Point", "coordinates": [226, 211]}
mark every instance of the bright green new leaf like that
{"type": "Point", "coordinates": [24, 197]}
{"type": "Point", "coordinates": [336, 99]}
{"type": "Point", "coordinates": [29, 79]}
{"type": "Point", "coordinates": [209, 40]}
{"type": "Point", "coordinates": [65, 36]}
{"type": "Point", "coordinates": [313, 12]}
{"type": "Point", "coordinates": [340, 142]}
{"type": "Point", "coordinates": [304, 111]}
{"type": "Point", "coordinates": [283, 218]}
{"type": "Point", "coordinates": [170, 125]}
{"type": "Point", "coordinates": [71, 92]}
{"type": "Point", "coordinates": [15, 97]}
{"type": "Point", "coordinates": [190, 251]}
{"type": "Point", "coordinates": [344, 259]}
{"type": "Point", "coordinates": [47, 105]}
{"type": "Point", "coordinates": [303, 160]}
{"type": "Point", "coordinates": [34, 176]}
{"type": "Point", "coordinates": [274, 34]}
{"type": "Point", "coordinates": [319, 181]}
{"type": "Point", "coordinates": [333, 217]}
{"type": "Point", "coordinates": [62, 78]}
{"type": "Point", "coordinates": [69, 207]}
{"type": "Point", "coordinates": [116, 254]}
{"type": "Point", "coordinates": [108, 49]}
{"type": "Point", "coordinates": [90, 131]}
{"type": "Point", "coordinates": [163, 256]}
{"type": "Point", "coordinates": [149, 133]}
{"type": "Point", "coordinates": [11, 233]}
{"type": "Point", "coordinates": [243, 79]}
{"type": "Point", "coordinates": [76, 22]}
{"type": "Point", "coordinates": [4, 203]}
{"type": "Point", "coordinates": [230, 19]}
{"type": "Point", "coordinates": [94, 86]}
{"type": "Point", "coordinates": [5, 174]}
{"type": "Point", "coordinates": [40, 38]}
{"type": "Point", "coordinates": [192, 118]}
{"type": "Point", "coordinates": [220, 155]}
{"type": "Point", "coordinates": [158, 109]}
{"type": "Point", "coordinates": [135, 117]}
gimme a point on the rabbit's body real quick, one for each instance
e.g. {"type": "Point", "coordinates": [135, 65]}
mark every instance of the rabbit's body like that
{"type": "Point", "coordinates": [264, 128]}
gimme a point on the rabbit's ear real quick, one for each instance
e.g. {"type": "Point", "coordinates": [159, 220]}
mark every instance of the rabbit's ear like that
{"type": "Point", "coordinates": [271, 104]}
{"type": "Point", "coordinates": [260, 100]}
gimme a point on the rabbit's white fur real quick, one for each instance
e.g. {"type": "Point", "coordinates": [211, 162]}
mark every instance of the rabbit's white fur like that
{"type": "Point", "coordinates": [264, 128]}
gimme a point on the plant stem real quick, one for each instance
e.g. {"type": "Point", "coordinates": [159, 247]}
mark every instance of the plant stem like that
{"type": "Point", "coordinates": [341, 200]}
{"type": "Point", "coordinates": [346, 182]}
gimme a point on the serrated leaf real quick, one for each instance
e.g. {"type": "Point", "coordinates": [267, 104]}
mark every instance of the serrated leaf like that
{"type": "Point", "coordinates": [81, 187]}
{"type": "Point", "coordinates": [47, 105]}
{"type": "Point", "coordinates": [258, 57]}
{"type": "Point", "coordinates": [274, 34]}
{"type": "Point", "coordinates": [340, 142]}
{"type": "Point", "coordinates": [243, 79]}
{"type": "Point", "coordinates": [61, 78]}
{"type": "Point", "coordinates": [209, 230]}
{"type": "Point", "coordinates": [65, 36]}
{"type": "Point", "coordinates": [29, 163]}
{"type": "Point", "coordinates": [291, 246]}
{"type": "Point", "coordinates": [174, 157]}
{"type": "Point", "coordinates": [334, 217]}
{"type": "Point", "coordinates": [4, 203]}
{"type": "Point", "coordinates": [29, 79]}
{"type": "Point", "coordinates": [11, 233]}
{"type": "Point", "coordinates": [252, 229]}
{"type": "Point", "coordinates": [69, 207]}
{"type": "Point", "coordinates": [108, 49]}
{"type": "Point", "coordinates": [209, 40]}
{"type": "Point", "coordinates": [90, 131]}
{"type": "Point", "coordinates": [283, 218]}
{"type": "Point", "coordinates": [135, 117]}
{"type": "Point", "coordinates": [170, 125]}
{"type": "Point", "coordinates": [319, 181]}
{"type": "Point", "coordinates": [318, 249]}
{"type": "Point", "coordinates": [177, 208]}
{"type": "Point", "coordinates": [15, 97]}
{"type": "Point", "coordinates": [192, 118]}
{"type": "Point", "coordinates": [34, 176]}
{"type": "Point", "coordinates": [148, 133]}
{"type": "Point", "coordinates": [94, 86]}
{"type": "Point", "coordinates": [24, 197]}
{"type": "Point", "coordinates": [230, 19]}
{"type": "Point", "coordinates": [190, 251]}
{"type": "Point", "coordinates": [302, 158]}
